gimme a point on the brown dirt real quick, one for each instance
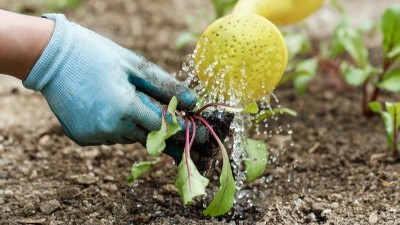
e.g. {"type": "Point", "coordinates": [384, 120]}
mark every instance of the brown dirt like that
{"type": "Point", "coordinates": [333, 174]}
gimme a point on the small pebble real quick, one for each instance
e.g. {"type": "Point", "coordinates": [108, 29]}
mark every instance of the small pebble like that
{"type": "Point", "coordinates": [29, 209]}
{"type": "Point", "coordinates": [109, 187]}
{"type": "Point", "coordinates": [335, 205]}
{"type": "Point", "coordinates": [67, 194]}
{"type": "Point", "coordinates": [336, 196]}
{"type": "Point", "coordinates": [168, 188]}
{"type": "Point", "coordinates": [373, 217]}
{"type": "Point", "coordinates": [49, 206]}
{"type": "Point", "coordinates": [108, 178]}
{"type": "Point", "coordinates": [8, 193]}
{"type": "Point", "coordinates": [326, 212]}
{"type": "Point", "coordinates": [44, 140]}
{"type": "Point", "coordinates": [311, 217]}
{"type": "Point", "coordinates": [84, 179]}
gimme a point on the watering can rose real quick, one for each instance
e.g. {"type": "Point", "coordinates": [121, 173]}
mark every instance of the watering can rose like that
{"type": "Point", "coordinates": [241, 57]}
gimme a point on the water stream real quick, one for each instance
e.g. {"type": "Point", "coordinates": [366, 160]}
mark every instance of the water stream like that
{"type": "Point", "coordinates": [279, 135]}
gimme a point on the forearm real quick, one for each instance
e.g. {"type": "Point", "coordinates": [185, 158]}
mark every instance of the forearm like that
{"type": "Point", "coordinates": [22, 40]}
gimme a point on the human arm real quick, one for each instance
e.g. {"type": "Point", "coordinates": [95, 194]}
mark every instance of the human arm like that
{"type": "Point", "coordinates": [22, 40]}
{"type": "Point", "coordinates": [100, 92]}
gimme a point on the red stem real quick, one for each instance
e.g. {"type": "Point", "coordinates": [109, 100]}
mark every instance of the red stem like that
{"type": "Point", "coordinates": [209, 127]}
{"type": "Point", "coordinates": [164, 116]}
{"type": "Point", "coordinates": [376, 91]}
{"type": "Point", "coordinates": [193, 132]}
{"type": "Point", "coordinates": [187, 149]}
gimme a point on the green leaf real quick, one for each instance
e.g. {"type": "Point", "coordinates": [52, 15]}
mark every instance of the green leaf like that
{"type": "Point", "coordinates": [155, 142]}
{"type": "Point", "coordinates": [391, 81]}
{"type": "Point", "coordinates": [296, 43]}
{"type": "Point", "coordinates": [390, 26]}
{"type": "Point", "coordinates": [308, 67]}
{"type": "Point", "coordinates": [184, 39]}
{"type": "Point", "coordinates": [300, 83]}
{"type": "Point", "coordinates": [222, 7]}
{"type": "Point", "coordinates": [256, 161]}
{"type": "Point", "coordinates": [268, 113]}
{"type": "Point", "coordinates": [394, 54]}
{"type": "Point", "coordinates": [190, 183]}
{"type": "Point", "coordinates": [394, 111]}
{"type": "Point", "coordinates": [392, 121]}
{"type": "Point", "coordinates": [349, 39]}
{"type": "Point", "coordinates": [172, 108]}
{"type": "Point", "coordinates": [355, 76]}
{"type": "Point", "coordinates": [305, 71]}
{"type": "Point", "coordinates": [375, 107]}
{"type": "Point", "coordinates": [251, 108]}
{"type": "Point", "coordinates": [224, 198]}
{"type": "Point", "coordinates": [387, 120]}
{"type": "Point", "coordinates": [173, 127]}
{"type": "Point", "coordinates": [138, 169]}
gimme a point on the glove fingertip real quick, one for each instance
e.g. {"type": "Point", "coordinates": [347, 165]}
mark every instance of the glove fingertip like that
{"type": "Point", "coordinates": [187, 99]}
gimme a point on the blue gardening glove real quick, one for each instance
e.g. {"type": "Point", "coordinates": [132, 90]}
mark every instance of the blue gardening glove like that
{"type": "Point", "coordinates": [99, 91]}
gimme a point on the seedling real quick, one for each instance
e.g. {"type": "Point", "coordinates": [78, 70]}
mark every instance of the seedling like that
{"type": "Point", "coordinates": [360, 72]}
{"type": "Point", "coordinates": [299, 70]}
{"type": "Point", "coordinates": [239, 59]}
{"type": "Point", "coordinates": [390, 115]}
{"type": "Point", "coordinates": [190, 182]}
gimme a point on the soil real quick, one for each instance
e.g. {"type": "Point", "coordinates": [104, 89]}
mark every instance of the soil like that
{"type": "Point", "coordinates": [336, 171]}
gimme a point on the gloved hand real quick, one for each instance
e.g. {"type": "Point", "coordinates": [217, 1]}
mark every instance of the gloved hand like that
{"type": "Point", "coordinates": [100, 91]}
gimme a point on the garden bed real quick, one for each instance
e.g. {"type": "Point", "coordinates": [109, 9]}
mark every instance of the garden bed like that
{"type": "Point", "coordinates": [337, 171]}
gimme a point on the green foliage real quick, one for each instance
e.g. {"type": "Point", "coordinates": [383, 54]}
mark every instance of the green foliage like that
{"type": "Point", "coordinates": [350, 40]}
{"type": "Point", "coordinates": [56, 5]}
{"type": "Point", "coordinates": [360, 72]}
{"type": "Point", "coordinates": [268, 113]}
{"type": "Point", "coordinates": [391, 118]}
{"type": "Point", "coordinates": [390, 26]}
{"type": "Point", "coordinates": [391, 81]}
{"type": "Point", "coordinates": [222, 7]}
{"type": "Point", "coordinates": [296, 44]}
{"type": "Point", "coordinates": [155, 142]}
{"type": "Point", "coordinates": [251, 108]}
{"type": "Point", "coordinates": [355, 76]}
{"type": "Point", "coordinates": [305, 71]}
{"type": "Point", "coordinates": [190, 183]}
{"type": "Point", "coordinates": [298, 70]}
{"type": "Point", "coordinates": [225, 196]}
{"type": "Point", "coordinates": [138, 169]}
{"type": "Point", "coordinates": [256, 160]}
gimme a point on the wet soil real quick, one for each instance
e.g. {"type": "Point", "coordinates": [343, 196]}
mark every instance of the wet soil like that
{"type": "Point", "coordinates": [337, 170]}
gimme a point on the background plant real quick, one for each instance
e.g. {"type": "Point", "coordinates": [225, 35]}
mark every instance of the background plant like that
{"type": "Point", "coordinates": [390, 115]}
{"type": "Point", "coordinates": [50, 5]}
{"type": "Point", "coordinates": [360, 71]}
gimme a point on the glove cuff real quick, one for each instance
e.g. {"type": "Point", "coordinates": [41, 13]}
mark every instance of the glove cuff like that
{"type": "Point", "coordinates": [60, 49]}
